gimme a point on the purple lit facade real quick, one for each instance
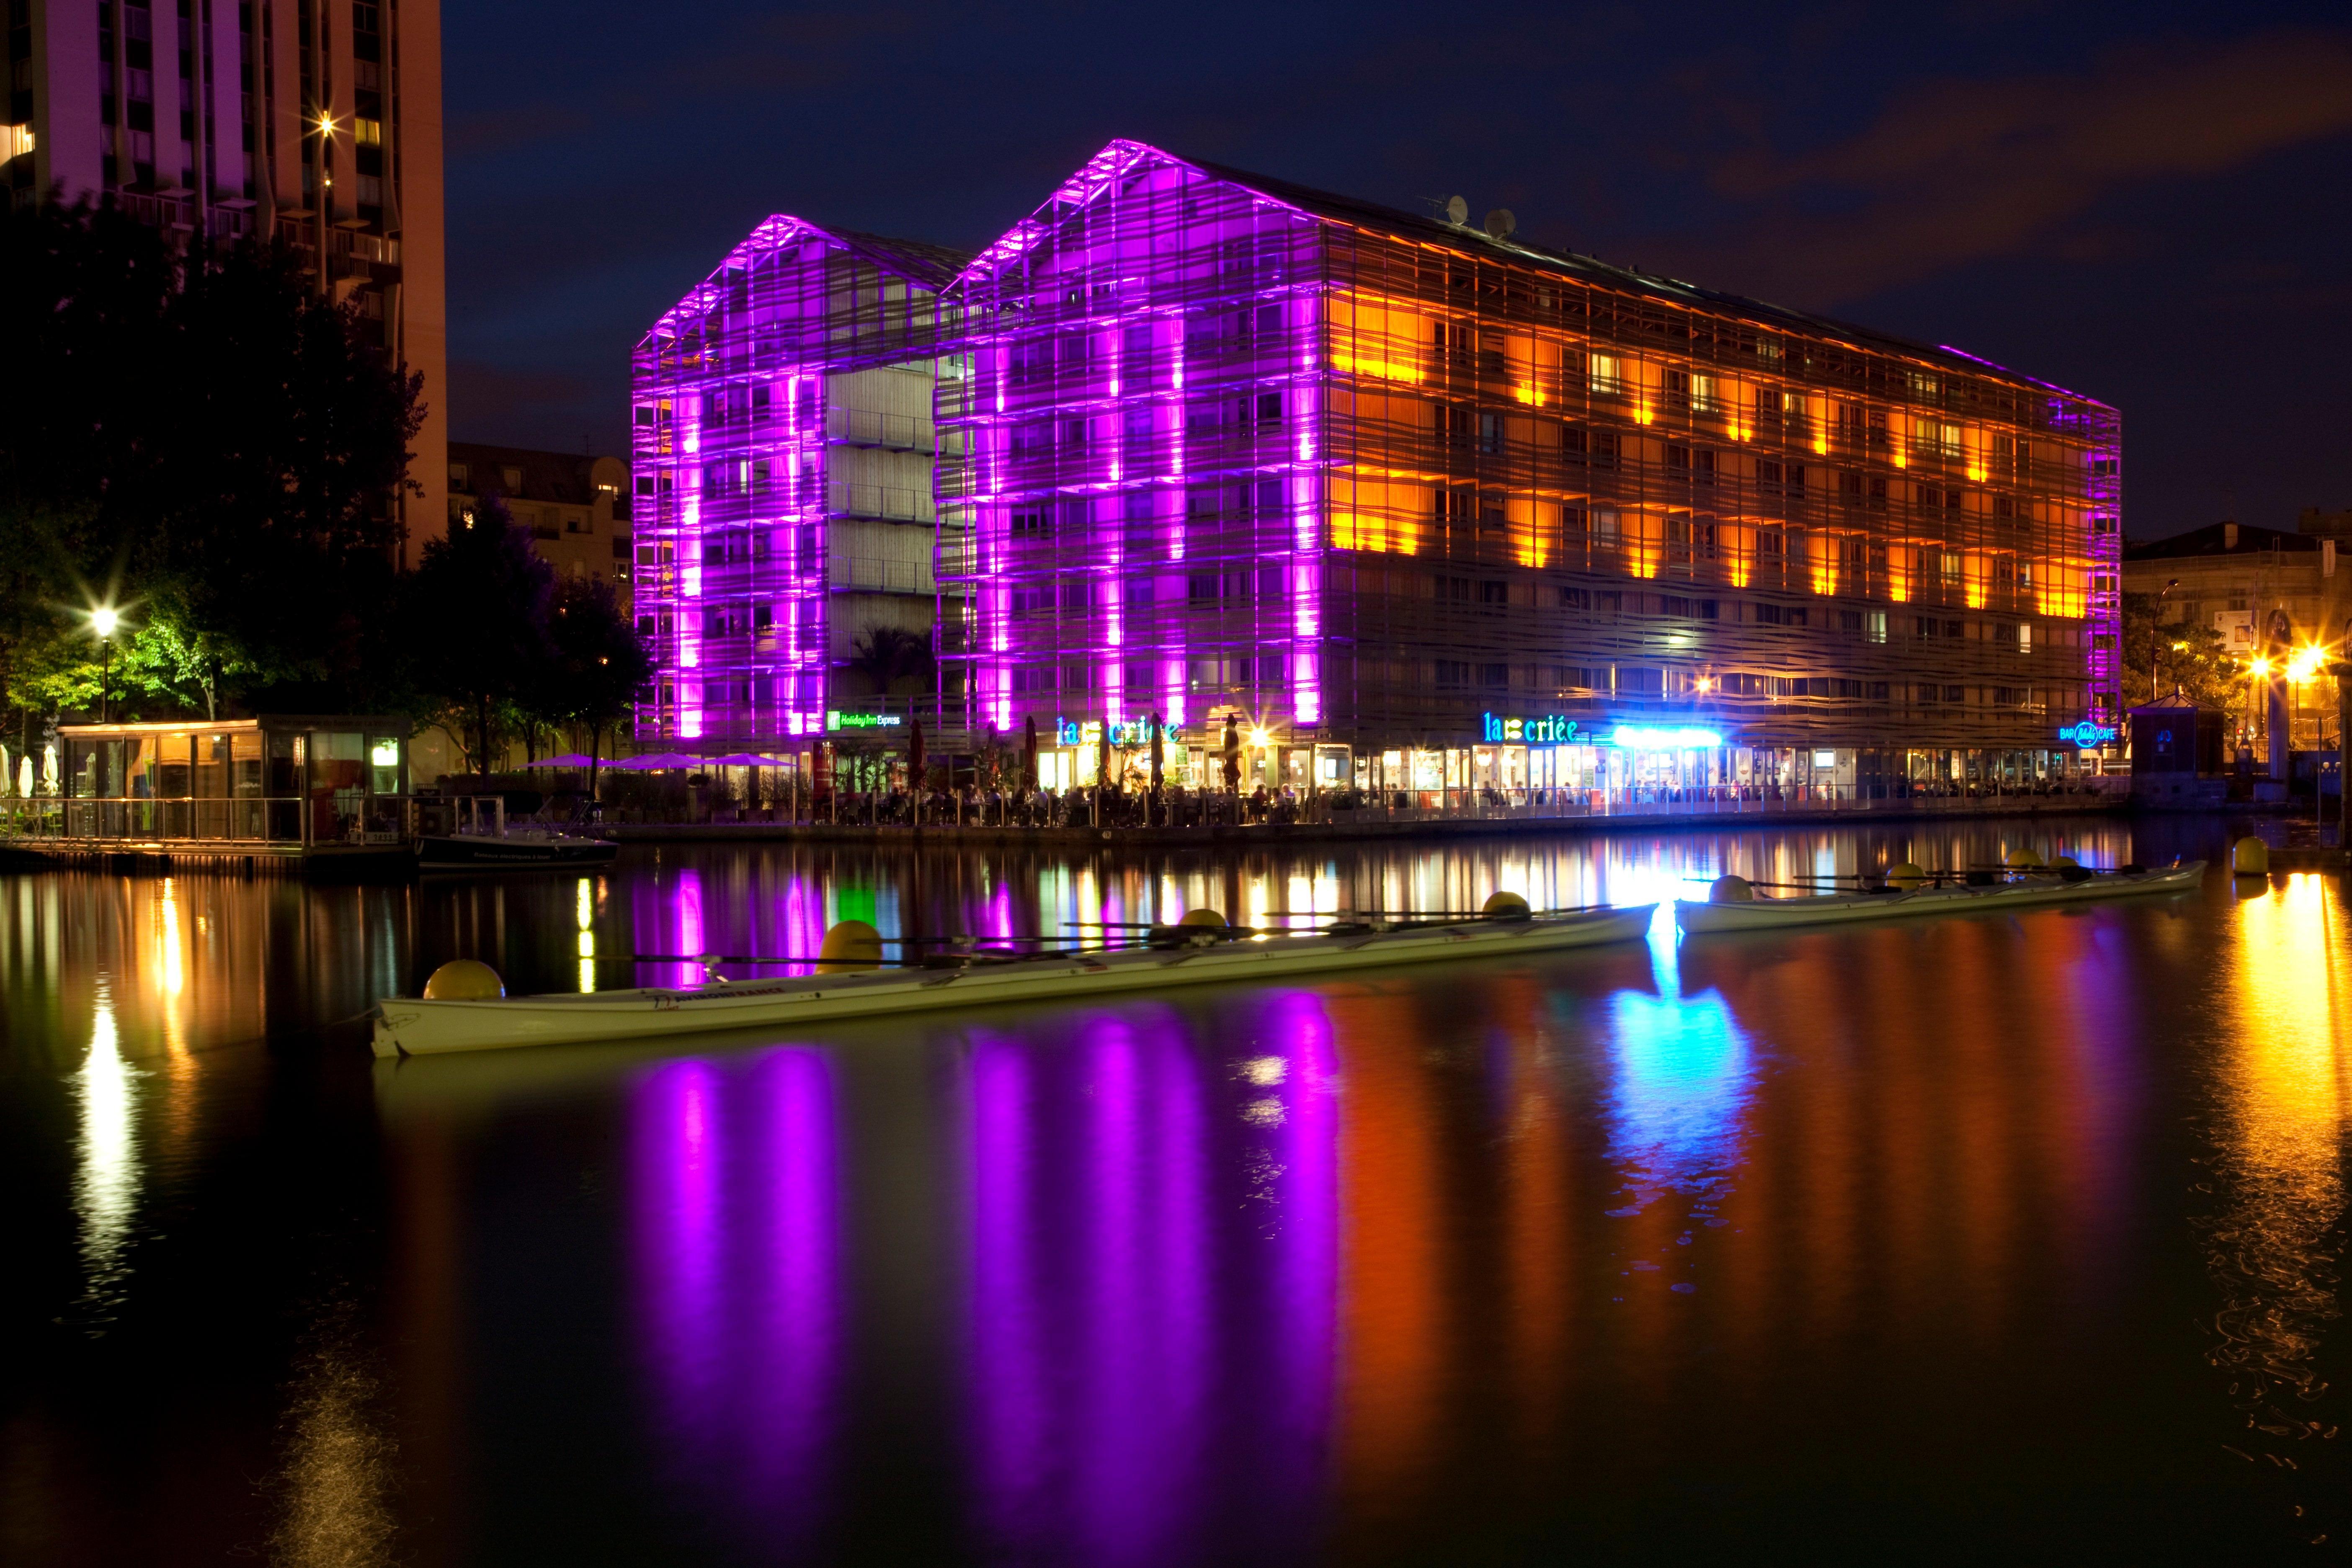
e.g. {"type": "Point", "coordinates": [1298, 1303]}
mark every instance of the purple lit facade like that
{"type": "Point", "coordinates": [1368, 482]}
{"type": "Point", "coordinates": [783, 466]}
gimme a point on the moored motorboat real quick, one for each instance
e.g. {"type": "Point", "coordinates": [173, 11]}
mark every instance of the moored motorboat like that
{"type": "Point", "coordinates": [2031, 890]}
{"type": "Point", "coordinates": [516, 850]}
{"type": "Point", "coordinates": [1194, 955]}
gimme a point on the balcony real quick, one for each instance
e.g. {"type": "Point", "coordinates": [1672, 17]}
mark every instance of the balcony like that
{"type": "Point", "coordinates": [893, 432]}
{"type": "Point", "coordinates": [874, 574]}
{"type": "Point", "coordinates": [887, 502]}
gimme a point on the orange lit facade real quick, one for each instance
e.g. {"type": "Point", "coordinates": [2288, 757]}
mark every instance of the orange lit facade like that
{"type": "Point", "coordinates": [1368, 479]}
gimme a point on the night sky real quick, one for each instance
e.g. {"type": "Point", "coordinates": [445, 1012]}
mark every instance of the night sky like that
{"type": "Point", "coordinates": [2149, 204]}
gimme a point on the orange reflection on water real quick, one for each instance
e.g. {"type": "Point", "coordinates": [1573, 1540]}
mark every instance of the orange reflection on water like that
{"type": "Point", "coordinates": [1392, 1253]}
{"type": "Point", "coordinates": [2281, 1098]}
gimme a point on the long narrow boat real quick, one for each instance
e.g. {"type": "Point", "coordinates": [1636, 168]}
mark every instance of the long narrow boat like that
{"type": "Point", "coordinates": [2026, 893]}
{"type": "Point", "coordinates": [408, 1026]}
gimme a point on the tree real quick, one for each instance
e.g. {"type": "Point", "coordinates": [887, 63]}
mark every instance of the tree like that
{"type": "Point", "coordinates": [596, 663]}
{"type": "Point", "coordinates": [2183, 654]}
{"type": "Point", "coordinates": [198, 433]}
{"type": "Point", "coordinates": [887, 655]}
{"type": "Point", "coordinates": [478, 606]}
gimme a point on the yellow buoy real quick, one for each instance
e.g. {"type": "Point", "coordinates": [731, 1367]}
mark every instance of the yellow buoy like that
{"type": "Point", "coordinates": [2022, 860]}
{"type": "Point", "coordinates": [464, 980]}
{"type": "Point", "coordinates": [850, 944]}
{"type": "Point", "coordinates": [2249, 857]}
{"type": "Point", "coordinates": [2063, 862]}
{"type": "Point", "coordinates": [1204, 916]}
{"type": "Point", "coordinates": [1907, 876]}
{"type": "Point", "coordinates": [1730, 890]}
{"type": "Point", "coordinates": [1500, 906]}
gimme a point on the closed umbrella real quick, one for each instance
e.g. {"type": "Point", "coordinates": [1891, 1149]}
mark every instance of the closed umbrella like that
{"type": "Point", "coordinates": [1158, 739]}
{"type": "Point", "coordinates": [1028, 754]}
{"type": "Point", "coordinates": [1233, 755]}
{"type": "Point", "coordinates": [914, 766]}
{"type": "Point", "coordinates": [1102, 757]}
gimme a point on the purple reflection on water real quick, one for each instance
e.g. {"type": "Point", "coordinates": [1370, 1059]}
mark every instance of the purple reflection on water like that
{"type": "Point", "coordinates": [1129, 1373]}
{"type": "Point", "coordinates": [736, 1220]}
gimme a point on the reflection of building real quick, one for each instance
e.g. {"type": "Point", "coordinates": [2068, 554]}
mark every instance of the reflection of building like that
{"type": "Point", "coordinates": [316, 124]}
{"type": "Point", "coordinates": [784, 505]}
{"type": "Point", "coordinates": [577, 508]}
{"type": "Point", "coordinates": [1367, 478]}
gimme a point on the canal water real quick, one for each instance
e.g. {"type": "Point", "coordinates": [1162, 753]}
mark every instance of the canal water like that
{"type": "Point", "coordinates": [2016, 1234]}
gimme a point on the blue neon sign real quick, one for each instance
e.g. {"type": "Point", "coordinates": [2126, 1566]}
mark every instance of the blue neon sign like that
{"type": "Point", "coordinates": [1664, 737]}
{"type": "Point", "coordinates": [2088, 734]}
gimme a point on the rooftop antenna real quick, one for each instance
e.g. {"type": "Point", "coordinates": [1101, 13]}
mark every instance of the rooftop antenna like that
{"type": "Point", "coordinates": [1457, 211]}
{"type": "Point", "coordinates": [1500, 224]}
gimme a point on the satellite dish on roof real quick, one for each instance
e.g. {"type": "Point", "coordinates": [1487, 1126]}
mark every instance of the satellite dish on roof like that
{"type": "Point", "coordinates": [1500, 224]}
{"type": "Point", "coordinates": [1457, 210]}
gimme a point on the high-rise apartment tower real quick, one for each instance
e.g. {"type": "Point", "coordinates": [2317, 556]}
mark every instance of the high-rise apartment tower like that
{"type": "Point", "coordinates": [314, 121]}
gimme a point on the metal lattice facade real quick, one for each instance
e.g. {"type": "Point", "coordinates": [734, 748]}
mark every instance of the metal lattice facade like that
{"type": "Point", "coordinates": [1367, 478]}
{"type": "Point", "coordinates": [784, 456]}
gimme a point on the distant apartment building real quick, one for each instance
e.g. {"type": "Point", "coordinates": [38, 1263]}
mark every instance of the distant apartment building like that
{"type": "Point", "coordinates": [783, 463]}
{"type": "Point", "coordinates": [317, 122]}
{"type": "Point", "coordinates": [2279, 597]}
{"type": "Point", "coordinates": [576, 507]}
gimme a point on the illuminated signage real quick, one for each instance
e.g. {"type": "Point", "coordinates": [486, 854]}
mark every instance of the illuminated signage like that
{"type": "Point", "coordinates": [1088, 732]}
{"type": "Point", "coordinates": [835, 720]}
{"type": "Point", "coordinates": [2088, 734]}
{"type": "Point", "coordinates": [1543, 731]}
{"type": "Point", "coordinates": [1664, 737]}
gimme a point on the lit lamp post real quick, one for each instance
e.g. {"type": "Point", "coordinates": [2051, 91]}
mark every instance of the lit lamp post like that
{"type": "Point", "coordinates": [103, 620]}
{"type": "Point", "coordinates": [2154, 637]}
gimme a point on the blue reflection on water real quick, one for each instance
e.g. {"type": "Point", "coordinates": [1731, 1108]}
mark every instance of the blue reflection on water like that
{"type": "Point", "coordinates": [1683, 1074]}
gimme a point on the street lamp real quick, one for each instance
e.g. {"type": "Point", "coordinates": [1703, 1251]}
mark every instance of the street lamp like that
{"type": "Point", "coordinates": [2153, 642]}
{"type": "Point", "coordinates": [103, 620]}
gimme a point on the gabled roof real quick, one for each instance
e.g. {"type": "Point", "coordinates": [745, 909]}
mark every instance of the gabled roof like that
{"type": "Point", "coordinates": [2214, 539]}
{"type": "Point", "coordinates": [1117, 158]}
{"type": "Point", "coordinates": [920, 262]}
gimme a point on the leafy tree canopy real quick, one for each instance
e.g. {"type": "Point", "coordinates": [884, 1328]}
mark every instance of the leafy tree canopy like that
{"type": "Point", "coordinates": [200, 438]}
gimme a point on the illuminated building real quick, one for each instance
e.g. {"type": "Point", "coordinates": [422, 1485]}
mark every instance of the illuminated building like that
{"type": "Point", "coordinates": [1373, 482]}
{"type": "Point", "coordinates": [2277, 601]}
{"type": "Point", "coordinates": [315, 124]}
{"type": "Point", "coordinates": [784, 508]}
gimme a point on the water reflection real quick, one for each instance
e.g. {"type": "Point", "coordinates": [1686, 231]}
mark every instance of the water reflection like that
{"type": "Point", "coordinates": [105, 1174]}
{"type": "Point", "coordinates": [2274, 1246]}
{"type": "Point", "coordinates": [737, 1267]}
{"type": "Point", "coordinates": [1120, 1361]}
{"type": "Point", "coordinates": [1683, 1076]}
{"type": "Point", "coordinates": [1367, 1267]}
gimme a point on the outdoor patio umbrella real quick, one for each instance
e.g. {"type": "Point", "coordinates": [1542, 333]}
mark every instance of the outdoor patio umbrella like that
{"type": "Point", "coordinates": [568, 760]}
{"type": "Point", "coordinates": [1102, 759]}
{"type": "Point", "coordinates": [915, 755]}
{"type": "Point", "coordinates": [1158, 741]}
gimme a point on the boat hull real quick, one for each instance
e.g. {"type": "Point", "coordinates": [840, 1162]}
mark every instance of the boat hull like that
{"type": "Point", "coordinates": [1839, 909]}
{"type": "Point", "coordinates": [404, 1026]}
{"type": "Point", "coordinates": [467, 852]}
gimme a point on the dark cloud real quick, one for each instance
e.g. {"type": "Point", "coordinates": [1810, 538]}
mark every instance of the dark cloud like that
{"type": "Point", "coordinates": [1957, 171]}
{"type": "Point", "coordinates": [2016, 177]}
